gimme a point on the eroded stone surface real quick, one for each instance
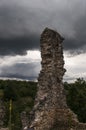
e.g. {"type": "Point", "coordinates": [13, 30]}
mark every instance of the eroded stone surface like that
{"type": "Point", "coordinates": [50, 110]}
{"type": "Point", "coordinates": [24, 120]}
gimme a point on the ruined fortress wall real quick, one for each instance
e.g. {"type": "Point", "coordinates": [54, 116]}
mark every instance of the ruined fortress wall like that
{"type": "Point", "coordinates": [50, 109]}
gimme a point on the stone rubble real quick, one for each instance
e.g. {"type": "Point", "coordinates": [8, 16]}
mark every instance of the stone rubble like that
{"type": "Point", "coordinates": [50, 110]}
{"type": "Point", "coordinates": [24, 120]}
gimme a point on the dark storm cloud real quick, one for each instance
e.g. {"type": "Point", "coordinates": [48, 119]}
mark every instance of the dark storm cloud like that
{"type": "Point", "coordinates": [22, 21]}
{"type": "Point", "coordinates": [15, 32]}
{"type": "Point", "coordinates": [78, 43]}
{"type": "Point", "coordinates": [18, 45]}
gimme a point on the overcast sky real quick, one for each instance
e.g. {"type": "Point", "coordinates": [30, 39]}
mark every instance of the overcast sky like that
{"type": "Point", "coordinates": [22, 22]}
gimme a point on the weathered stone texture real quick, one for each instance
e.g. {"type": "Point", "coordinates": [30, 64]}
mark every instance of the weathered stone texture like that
{"type": "Point", "coordinates": [50, 110]}
{"type": "Point", "coordinates": [24, 120]}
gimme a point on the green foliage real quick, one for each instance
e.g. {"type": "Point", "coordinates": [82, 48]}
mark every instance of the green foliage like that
{"type": "Point", "coordinates": [76, 98]}
{"type": "Point", "coordinates": [9, 93]}
{"type": "Point", "coordinates": [6, 119]}
{"type": "Point", "coordinates": [22, 94]}
{"type": "Point", "coordinates": [1, 93]}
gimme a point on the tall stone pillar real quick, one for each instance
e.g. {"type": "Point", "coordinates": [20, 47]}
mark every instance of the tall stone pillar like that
{"type": "Point", "coordinates": [50, 108]}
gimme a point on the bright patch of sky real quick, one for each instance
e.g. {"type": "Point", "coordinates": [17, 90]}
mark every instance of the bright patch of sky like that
{"type": "Point", "coordinates": [32, 56]}
{"type": "Point", "coordinates": [75, 66]}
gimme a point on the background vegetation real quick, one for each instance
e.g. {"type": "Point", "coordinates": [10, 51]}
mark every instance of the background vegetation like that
{"type": "Point", "coordinates": [76, 97]}
{"type": "Point", "coordinates": [23, 93]}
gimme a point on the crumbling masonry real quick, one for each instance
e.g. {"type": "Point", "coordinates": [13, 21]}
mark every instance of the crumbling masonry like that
{"type": "Point", "coordinates": [50, 110]}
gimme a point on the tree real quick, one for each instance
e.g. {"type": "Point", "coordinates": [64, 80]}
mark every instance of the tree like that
{"type": "Point", "coordinates": [76, 98]}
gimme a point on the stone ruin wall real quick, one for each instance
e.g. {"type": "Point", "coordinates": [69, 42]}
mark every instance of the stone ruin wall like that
{"type": "Point", "coordinates": [50, 110]}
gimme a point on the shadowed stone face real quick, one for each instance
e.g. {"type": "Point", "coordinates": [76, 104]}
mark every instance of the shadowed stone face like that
{"type": "Point", "coordinates": [50, 108]}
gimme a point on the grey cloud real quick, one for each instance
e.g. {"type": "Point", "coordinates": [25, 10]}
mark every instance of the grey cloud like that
{"type": "Point", "coordinates": [68, 78]}
{"type": "Point", "coordinates": [78, 43]}
{"type": "Point", "coordinates": [21, 23]}
{"type": "Point", "coordinates": [18, 45]}
{"type": "Point", "coordinates": [21, 70]}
